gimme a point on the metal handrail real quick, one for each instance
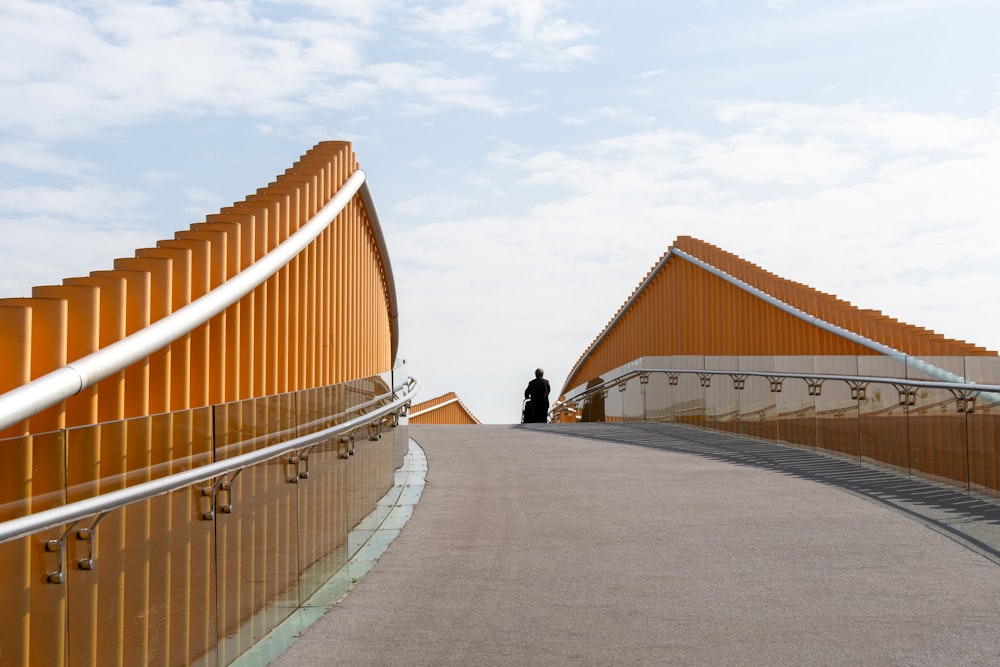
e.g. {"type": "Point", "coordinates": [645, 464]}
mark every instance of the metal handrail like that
{"type": "Point", "coordinates": [22, 402]}
{"type": "Point", "coordinates": [99, 505]}
{"type": "Point", "coordinates": [966, 389]}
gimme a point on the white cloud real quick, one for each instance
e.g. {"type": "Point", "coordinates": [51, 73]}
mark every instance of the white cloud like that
{"type": "Point", "coordinates": [85, 202]}
{"type": "Point", "coordinates": [530, 30]}
{"type": "Point", "coordinates": [111, 65]}
{"type": "Point", "coordinates": [37, 157]}
{"type": "Point", "coordinates": [652, 73]}
{"type": "Point", "coordinates": [760, 159]}
{"type": "Point", "coordinates": [615, 113]}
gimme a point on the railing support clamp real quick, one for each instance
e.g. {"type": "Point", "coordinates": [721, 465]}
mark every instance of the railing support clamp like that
{"type": "Point", "coordinates": [965, 401]}
{"type": "Point", "coordinates": [89, 535]}
{"type": "Point", "coordinates": [907, 394]}
{"type": "Point", "coordinates": [58, 546]}
{"type": "Point", "coordinates": [859, 390]}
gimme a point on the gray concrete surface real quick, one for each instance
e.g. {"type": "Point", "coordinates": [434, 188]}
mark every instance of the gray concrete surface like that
{"type": "Point", "coordinates": [642, 544]}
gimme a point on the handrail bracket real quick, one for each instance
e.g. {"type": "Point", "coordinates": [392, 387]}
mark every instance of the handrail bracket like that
{"type": "Point", "coordinates": [58, 546]}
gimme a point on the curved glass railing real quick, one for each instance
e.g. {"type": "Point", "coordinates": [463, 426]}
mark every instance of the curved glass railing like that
{"type": "Point", "coordinates": [944, 431]}
{"type": "Point", "coordinates": [373, 416]}
{"type": "Point", "coordinates": [184, 538]}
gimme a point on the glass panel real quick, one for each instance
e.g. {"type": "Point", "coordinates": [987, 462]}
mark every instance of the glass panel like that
{"type": "Point", "coordinates": [256, 555]}
{"type": "Point", "coordinates": [689, 396]}
{"type": "Point", "coordinates": [167, 579]}
{"type": "Point", "coordinates": [32, 479]}
{"type": "Point", "coordinates": [322, 517]}
{"type": "Point", "coordinates": [836, 407]}
{"type": "Point", "coordinates": [883, 418]}
{"type": "Point", "coordinates": [632, 401]}
{"type": "Point", "coordinates": [983, 424]}
{"type": "Point", "coordinates": [758, 404]}
{"type": "Point", "coordinates": [937, 430]}
{"type": "Point", "coordinates": [722, 407]}
{"type": "Point", "coordinates": [659, 398]}
{"type": "Point", "coordinates": [795, 405]}
{"type": "Point", "coordinates": [593, 409]}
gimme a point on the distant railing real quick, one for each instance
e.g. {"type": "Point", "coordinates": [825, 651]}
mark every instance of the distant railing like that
{"type": "Point", "coordinates": [965, 393]}
{"type": "Point", "coordinates": [945, 431]}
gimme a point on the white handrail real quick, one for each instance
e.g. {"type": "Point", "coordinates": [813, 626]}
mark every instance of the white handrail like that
{"type": "Point", "coordinates": [101, 504]}
{"type": "Point", "coordinates": [69, 380]}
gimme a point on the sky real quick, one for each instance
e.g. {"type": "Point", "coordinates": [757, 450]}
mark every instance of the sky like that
{"type": "Point", "coordinates": [530, 160]}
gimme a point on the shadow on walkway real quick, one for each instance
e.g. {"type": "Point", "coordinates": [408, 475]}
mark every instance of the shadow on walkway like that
{"type": "Point", "coordinates": [967, 518]}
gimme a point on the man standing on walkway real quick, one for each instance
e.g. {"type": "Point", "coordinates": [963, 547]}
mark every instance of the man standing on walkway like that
{"type": "Point", "coordinates": [537, 392]}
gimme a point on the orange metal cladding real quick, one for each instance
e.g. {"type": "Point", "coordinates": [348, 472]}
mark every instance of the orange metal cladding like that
{"type": "Point", "coordinates": [321, 320]}
{"type": "Point", "coordinates": [33, 467]}
{"type": "Point", "coordinates": [686, 310]}
{"type": "Point", "coordinates": [445, 409]}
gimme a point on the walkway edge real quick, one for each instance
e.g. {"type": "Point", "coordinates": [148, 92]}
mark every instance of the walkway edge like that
{"type": "Point", "coordinates": [372, 537]}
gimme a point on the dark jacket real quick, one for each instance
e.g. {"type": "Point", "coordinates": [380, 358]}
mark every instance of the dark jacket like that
{"type": "Point", "coordinates": [537, 393]}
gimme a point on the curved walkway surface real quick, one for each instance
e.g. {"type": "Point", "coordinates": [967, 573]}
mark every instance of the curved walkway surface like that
{"type": "Point", "coordinates": [657, 544]}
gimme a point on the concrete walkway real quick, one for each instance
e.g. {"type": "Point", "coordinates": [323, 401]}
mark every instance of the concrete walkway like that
{"type": "Point", "coordinates": [657, 544]}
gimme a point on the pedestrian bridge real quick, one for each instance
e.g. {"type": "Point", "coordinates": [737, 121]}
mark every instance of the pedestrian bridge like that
{"type": "Point", "coordinates": [664, 544]}
{"type": "Point", "coordinates": [202, 446]}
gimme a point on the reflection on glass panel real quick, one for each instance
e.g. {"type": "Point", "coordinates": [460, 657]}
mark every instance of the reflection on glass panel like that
{"type": "Point", "coordinates": [689, 397]}
{"type": "Point", "coordinates": [836, 406]}
{"type": "Point", "coordinates": [593, 409]}
{"type": "Point", "coordinates": [632, 399]}
{"type": "Point", "coordinates": [937, 436]}
{"type": "Point", "coordinates": [983, 370]}
{"type": "Point", "coordinates": [794, 403]}
{"type": "Point", "coordinates": [256, 548]}
{"type": "Point", "coordinates": [612, 404]}
{"type": "Point", "coordinates": [688, 362]}
{"type": "Point", "coordinates": [721, 396]}
{"type": "Point", "coordinates": [944, 435]}
{"type": "Point", "coordinates": [758, 408]}
{"type": "Point", "coordinates": [941, 369]}
{"type": "Point", "coordinates": [322, 518]}
{"type": "Point", "coordinates": [883, 426]}
{"type": "Point", "coordinates": [983, 424]}
{"type": "Point", "coordinates": [151, 593]}
{"type": "Point", "coordinates": [881, 366]}
{"type": "Point", "coordinates": [28, 484]}
{"type": "Point", "coordinates": [659, 402]}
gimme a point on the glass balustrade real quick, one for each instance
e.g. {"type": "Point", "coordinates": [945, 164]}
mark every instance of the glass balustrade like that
{"type": "Point", "coordinates": [198, 575]}
{"type": "Point", "coordinates": [940, 434]}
